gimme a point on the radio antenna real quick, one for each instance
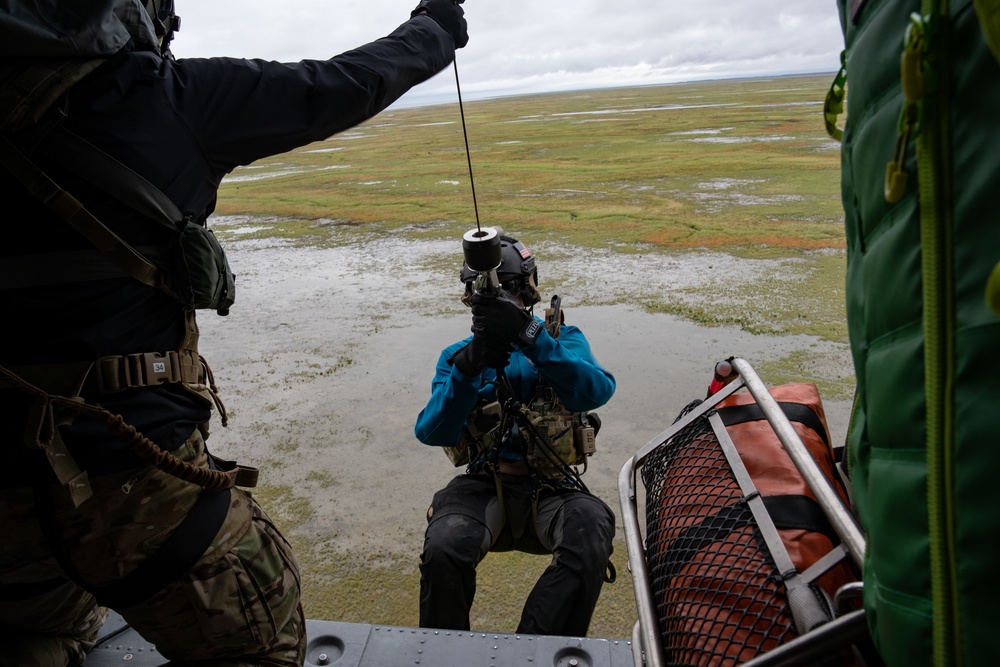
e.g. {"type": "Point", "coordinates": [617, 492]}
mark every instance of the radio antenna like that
{"type": "Point", "coordinates": [468, 153]}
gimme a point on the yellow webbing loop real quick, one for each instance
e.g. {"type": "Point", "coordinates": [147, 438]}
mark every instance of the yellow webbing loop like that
{"type": "Point", "coordinates": [912, 81]}
{"type": "Point", "coordinates": [833, 106]}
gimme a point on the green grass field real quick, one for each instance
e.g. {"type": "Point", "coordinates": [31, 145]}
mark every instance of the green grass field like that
{"type": "Point", "coordinates": [737, 164]}
{"type": "Point", "coordinates": [741, 167]}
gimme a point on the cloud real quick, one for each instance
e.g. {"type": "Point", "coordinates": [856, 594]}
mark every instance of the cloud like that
{"type": "Point", "coordinates": [522, 46]}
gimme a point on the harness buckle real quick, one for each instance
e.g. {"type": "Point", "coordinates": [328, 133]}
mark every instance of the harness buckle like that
{"type": "Point", "coordinates": [144, 369]}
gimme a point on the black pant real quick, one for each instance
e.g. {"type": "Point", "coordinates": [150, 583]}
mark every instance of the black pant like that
{"type": "Point", "coordinates": [465, 522]}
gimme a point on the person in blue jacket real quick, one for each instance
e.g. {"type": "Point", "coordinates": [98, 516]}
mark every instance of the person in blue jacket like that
{"type": "Point", "coordinates": [503, 502]}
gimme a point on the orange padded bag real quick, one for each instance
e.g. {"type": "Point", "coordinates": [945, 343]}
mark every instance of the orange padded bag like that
{"type": "Point", "coordinates": [718, 556]}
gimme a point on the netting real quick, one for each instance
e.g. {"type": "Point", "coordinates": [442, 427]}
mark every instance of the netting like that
{"type": "Point", "coordinates": [719, 599]}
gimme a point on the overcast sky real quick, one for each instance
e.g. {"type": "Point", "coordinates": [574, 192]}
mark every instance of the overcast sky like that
{"type": "Point", "coordinates": [523, 46]}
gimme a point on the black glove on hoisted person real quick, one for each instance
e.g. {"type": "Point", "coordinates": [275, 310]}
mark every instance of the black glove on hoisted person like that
{"type": "Point", "coordinates": [503, 320]}
{"type": "Point", "coordinates": [480, 354]}
{"type": "Point", "coordinates": [449, 15]}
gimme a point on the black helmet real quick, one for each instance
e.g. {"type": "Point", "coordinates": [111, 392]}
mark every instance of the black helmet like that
{"type": "Point", "coordinates": [517, 272]}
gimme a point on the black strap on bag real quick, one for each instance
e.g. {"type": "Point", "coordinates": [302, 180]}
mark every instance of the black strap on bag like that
{"type": "Point", "coordinates": [796, 412]}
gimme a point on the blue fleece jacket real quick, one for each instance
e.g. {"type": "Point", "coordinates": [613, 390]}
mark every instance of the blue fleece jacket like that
{"type": "Point", "coordinates": [566, 364]}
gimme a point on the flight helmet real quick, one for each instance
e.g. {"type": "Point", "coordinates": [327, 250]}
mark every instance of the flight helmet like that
{"type": "Point", "coordinates": [517, 272]}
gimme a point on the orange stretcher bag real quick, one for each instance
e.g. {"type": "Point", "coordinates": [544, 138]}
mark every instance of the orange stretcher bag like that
{"type": "Point", "coordinates": [740, 555]}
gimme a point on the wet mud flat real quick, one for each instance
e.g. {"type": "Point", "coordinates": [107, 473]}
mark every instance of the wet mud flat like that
{"type": "Point", "coordinates": [327, 357]}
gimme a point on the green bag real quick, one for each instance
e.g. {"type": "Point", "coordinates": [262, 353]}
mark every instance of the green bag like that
{"type": "Point", "coordinates": [920, 168]}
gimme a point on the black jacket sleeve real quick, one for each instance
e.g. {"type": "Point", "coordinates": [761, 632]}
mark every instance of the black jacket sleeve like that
{"type": "Point", "coordinates": [243, 110]}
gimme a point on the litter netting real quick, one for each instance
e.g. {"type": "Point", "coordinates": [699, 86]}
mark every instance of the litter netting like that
{"type": "Point", "coordinates": [719, 599]}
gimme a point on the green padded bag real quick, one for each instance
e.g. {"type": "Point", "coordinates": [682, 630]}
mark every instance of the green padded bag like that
{"type": "Point", "coordinates": [920, 173]}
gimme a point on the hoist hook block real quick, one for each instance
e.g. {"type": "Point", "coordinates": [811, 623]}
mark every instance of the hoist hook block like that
{"type": "Point", "coordinates": [482, 248]}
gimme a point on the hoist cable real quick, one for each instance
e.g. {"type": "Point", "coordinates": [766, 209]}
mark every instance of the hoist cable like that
{"type": "Point", "coordinates": [468, 153]}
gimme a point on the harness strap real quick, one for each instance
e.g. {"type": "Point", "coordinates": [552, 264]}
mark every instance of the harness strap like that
{"type": "Point", "coordinates": [67, 266]}
{"type": "Point", "coordinates": [42, 432]}
{"type": "Point", "coordinates": [26, 93]}
{"type": "Point", "coordinates": [116, 373]}
{"type": "Point", "coordinates": [67, 207]}
{"type": "Point", "coordinates": [500, 502]}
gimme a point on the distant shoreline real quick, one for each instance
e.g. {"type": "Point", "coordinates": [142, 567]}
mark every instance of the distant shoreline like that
{"type": "Point", "coordinates": [415, 99]}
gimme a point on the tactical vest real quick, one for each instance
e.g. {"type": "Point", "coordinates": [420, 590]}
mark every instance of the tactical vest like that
{"type": "Point", "coordinates": [552, 437]}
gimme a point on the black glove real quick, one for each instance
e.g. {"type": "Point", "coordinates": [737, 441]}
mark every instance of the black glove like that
{"type": "Point", "coordinates": [480, 354]}
{"type": "Point", "coordinates": [503, 320]}
{"type": "Point", "coordinates": [449, 15]}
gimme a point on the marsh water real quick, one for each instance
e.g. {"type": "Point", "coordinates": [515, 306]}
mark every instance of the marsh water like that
{"type": "Point", "coordinates": [328, 355]}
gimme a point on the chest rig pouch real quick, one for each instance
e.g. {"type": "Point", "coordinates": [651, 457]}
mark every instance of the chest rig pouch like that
{"type": "Point", "coordinates": [555, 437]}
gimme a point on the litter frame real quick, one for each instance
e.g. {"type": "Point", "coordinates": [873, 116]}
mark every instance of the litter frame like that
{"type": "Point", "coordinates": [647, 648]}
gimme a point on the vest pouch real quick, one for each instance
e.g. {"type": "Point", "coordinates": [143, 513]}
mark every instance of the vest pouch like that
{"type": "Point", "coordinates": [200, 272]}
{"type": "Point", "coordinates": [478, 435]}
{"type": "Point", "coordinates": [559, 445]}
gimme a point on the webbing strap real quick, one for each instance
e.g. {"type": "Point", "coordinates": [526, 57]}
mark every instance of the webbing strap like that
{"type": "Point", "coordinates": [42, 432]}
{"type": "Point", "coordinates": [807, 612]}
{"type": "Point", "coordinates": [65, 266]}
{"type": "Point", "coordinates": [116, 373]}
{"type": "Point", "coordinates": [27, 92]}
{"type": "Point", "coordinates": [796, 412]}
{"type": "Point", "coordinates": [800, 512]}
{"type": "Point", "coordinates": [146, 369]}
{"type": "Point", "coordinates": [67, 207]}
{"type": "Point", "coordinates": [178, 554]}
{"type": "Point", "coordinates": [105, 172]}
{"type": "Point", "coordinates": [753, 498]}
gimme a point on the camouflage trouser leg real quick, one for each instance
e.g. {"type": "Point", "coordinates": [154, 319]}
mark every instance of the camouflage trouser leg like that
{"type": "Point", "coordinates": [240, 609]}
{"type": "Point", "coordinates": [64, 622]}
{"type": "Point", "coordinates": [238, 606]}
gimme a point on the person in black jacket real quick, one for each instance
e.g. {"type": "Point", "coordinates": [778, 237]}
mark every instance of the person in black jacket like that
{"type": "Point", "coordinates": [99, 511]}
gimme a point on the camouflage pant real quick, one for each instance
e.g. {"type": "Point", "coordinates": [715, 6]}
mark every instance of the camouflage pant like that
{"type": "Point", "coordinates": [237, 607]}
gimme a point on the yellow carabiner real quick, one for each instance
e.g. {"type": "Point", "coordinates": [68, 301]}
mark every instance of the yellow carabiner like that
{"type": "Point", "coordinates": [833, 106]}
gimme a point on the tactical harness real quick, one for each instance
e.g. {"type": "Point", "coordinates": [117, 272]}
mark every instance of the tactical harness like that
{"type": "Point", "coordinates": [196, 274]}
{"type": "Point", "coordinates": [27, 93]}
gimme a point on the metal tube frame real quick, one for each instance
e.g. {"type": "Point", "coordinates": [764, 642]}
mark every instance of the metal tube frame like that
{"type": "Point", "coordinates": [843, 522]}
{"type": "Point", "coordinates": [833, 507]}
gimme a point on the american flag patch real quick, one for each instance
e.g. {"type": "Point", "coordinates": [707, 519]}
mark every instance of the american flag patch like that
{"type": "Point", "coordinates": [521, 248]}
